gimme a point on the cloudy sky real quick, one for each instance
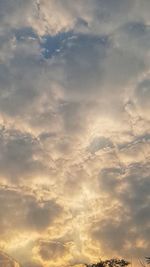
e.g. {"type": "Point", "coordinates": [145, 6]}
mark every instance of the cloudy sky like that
{"type": "Point", "coordinates": [74, 130]}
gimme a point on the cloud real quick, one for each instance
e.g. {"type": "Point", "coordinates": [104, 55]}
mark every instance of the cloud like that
{"type": "Point", "coordinates": [24, 212]}
{"type": "Point", "coordinates": [74, 130]}
{"type": "Point", "coordinates": [41, 216]}
{"type": "Point", "coordinates": [7, 260]}
{"type": "Point", "coordinates": [128, 211]}
{"type": "Point", "coordinates": [22, 153]}
{"type": "Point", "coordinates": [99, 143]}
{"type": "Point", "coordinates": [51, 250]}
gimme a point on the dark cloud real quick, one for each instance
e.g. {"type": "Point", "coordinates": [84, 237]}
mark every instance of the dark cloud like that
{"type": "Point", "coordinates": [33, 264]}
{"type": "Point", "coordinates": [128, 220]}
{"type": "Point", "coordinates": [41, 216]}
{"type": "Point", "coordinates": [18, 89]}
{"type": "Point", "coordinates": [17, 156]}
{"type": "Point", "coordinates": [99, 143]}
{"type": "Point", "coordinates": [142, 94]}
{"type": "Point", "coordinates": [25, 213]}
{"type": "Point", "coordinates": [50, 250]}
{"type": "Point", "coordinates": [84, 66]}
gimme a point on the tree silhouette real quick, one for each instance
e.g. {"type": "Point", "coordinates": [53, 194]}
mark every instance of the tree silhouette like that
{"type": "Point", "coordinates": [110, 263]}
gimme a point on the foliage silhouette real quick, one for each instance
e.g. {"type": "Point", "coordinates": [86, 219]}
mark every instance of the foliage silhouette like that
{"type": "Point", "coordinates": [110, 263]}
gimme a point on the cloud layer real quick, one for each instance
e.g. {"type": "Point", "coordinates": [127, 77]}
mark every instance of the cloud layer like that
{"type": "Point", "coordinates": [74, 130]}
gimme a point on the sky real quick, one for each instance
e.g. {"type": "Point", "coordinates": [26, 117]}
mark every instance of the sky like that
{"type": "Point", "coordinates": [74, 130]}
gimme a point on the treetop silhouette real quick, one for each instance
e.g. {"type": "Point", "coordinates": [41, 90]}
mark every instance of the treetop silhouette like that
{"type": "Point", "coordinates": [110, 263]}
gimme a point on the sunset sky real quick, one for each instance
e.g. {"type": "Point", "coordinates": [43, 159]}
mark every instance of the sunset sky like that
{"type": "Point", "coordinates": [74, 130]}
